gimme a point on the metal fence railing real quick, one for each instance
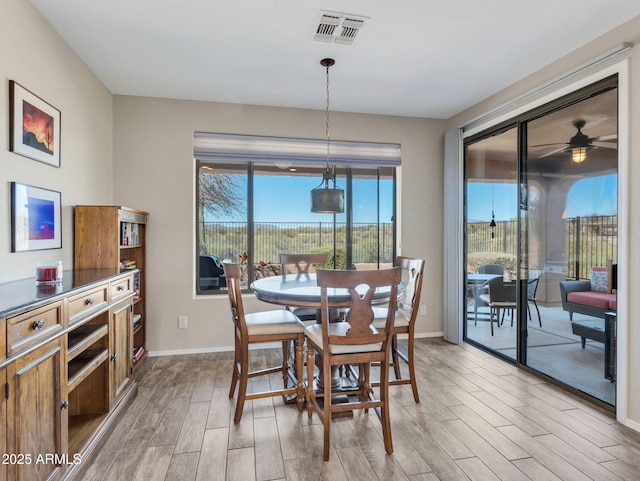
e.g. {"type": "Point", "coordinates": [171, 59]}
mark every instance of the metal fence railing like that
{"type": "Point", "coordinates": [369, 242]}
{"type": "Point", "coordinates": [590, 241]}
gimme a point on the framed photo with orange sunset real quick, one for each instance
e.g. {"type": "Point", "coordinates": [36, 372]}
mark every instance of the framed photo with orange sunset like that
{"type": "Point", "coordinates": [34, 126]}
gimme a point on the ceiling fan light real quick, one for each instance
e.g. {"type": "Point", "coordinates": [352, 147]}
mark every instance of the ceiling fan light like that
{"type": "Point", "coordinates": [578, 154]}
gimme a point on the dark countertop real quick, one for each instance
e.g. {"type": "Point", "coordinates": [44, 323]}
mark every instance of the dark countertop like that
{"type": "Point", "coordinates": [17, 296]}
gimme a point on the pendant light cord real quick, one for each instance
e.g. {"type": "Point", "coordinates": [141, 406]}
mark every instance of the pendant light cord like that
{"type": "Point", "coordinates": [327, 120]}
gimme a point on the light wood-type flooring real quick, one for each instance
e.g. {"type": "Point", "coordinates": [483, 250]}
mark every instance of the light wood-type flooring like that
{"type": "Point", "coordinates": [480, 418]}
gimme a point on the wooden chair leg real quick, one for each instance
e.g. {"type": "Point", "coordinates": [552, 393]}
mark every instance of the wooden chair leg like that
{"type": "Point", "coordinates": [300, 370]}
{"type": "Point", "coordinates": [242, 388]}
{"type": "Point", "coordinates": [285, 363]}
{"type": "Point", "coordinates": [384, 411]}
{"type": "Point", "coordinates": [394, 356]}
{"type": "Point", "coordinates": [367, 391]}
{"type": "Point", "coordinates": [326, 411]}
{"type": "Point", "coordinates": [412, 368]}
{"type": "Point", "coordinates": [311, 393]}
{"type": "Point", "coordinates": [236, 361]}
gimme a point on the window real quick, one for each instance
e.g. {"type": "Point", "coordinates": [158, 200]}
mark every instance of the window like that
{"type": "Point", "coordinates": [253, 210]}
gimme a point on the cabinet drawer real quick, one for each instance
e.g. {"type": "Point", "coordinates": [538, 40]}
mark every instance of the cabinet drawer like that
{"type": "Point", "coordinates": [29, 328]}
{"type": "Point", "coordinates": [89, 301]}
{"type": "Point", "coordinates": [121, 288]}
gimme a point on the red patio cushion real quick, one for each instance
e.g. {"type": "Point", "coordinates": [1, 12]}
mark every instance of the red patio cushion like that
{"type": "Point", "coordinates": [601, 300]}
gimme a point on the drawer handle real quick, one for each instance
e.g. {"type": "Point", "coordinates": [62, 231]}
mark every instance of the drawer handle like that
{"type": "Point", "coordinates": [89, 301]}
{"type": "Point", "coordinates": [114, 357]}
{"type": "Point", "coordinates": [64, 404]}
{"type": "Point", "coordinates": [37, 325]}
{"type": "Point", "coordinates": [121, 288]}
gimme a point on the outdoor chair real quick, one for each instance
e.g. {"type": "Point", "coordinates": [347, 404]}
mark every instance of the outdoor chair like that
{"type": "Point", "coordinates": [262, 327]}
{"type": "Point", "coordinates": [353, 342]}
{"type": "Point", "coordinates": [532, 289]}
{"type": "Point", "coordinates": [483, 289]}
{"type": "Point", "coordinates": [501, 297]}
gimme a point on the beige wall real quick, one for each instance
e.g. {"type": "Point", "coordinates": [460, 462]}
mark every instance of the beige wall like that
{"type": "Point", "coordinates": [36, 57]}
{"type": "Point", "coordinates": [155, 171]}
{"type": "Point", "coordinates": [628, 32]}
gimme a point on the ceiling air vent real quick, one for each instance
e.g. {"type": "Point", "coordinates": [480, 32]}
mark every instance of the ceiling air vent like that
{"type": "Point", "coordinates": [338, 28]}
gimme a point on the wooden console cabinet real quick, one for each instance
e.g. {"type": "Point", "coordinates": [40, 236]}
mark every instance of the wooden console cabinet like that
{"type": "Point", "coordinates": [65, 370]}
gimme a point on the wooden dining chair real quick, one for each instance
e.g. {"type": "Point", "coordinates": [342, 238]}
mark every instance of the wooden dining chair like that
{"type": "Point", "coordinates": [404, 321]}
{"type": "Point", "coordinates": [354, 342]}
{"type": "Point", "coordinates": [303, 263]}
{"type": "Point", "coordinates": [260, 327]}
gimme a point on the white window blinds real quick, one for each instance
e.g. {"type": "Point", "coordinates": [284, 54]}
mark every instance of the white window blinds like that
{"type": "Point", "coordinates": [243, 148]}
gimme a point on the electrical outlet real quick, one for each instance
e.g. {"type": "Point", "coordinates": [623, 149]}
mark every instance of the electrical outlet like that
{"type": "Point", "coordinates": [182, 322]}
{"type": "Point", "coordinates": [423, 309]}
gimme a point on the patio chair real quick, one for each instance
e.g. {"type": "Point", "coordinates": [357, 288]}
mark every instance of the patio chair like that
{"type": "Point", "coordinates": [501, 297]}
{"type": "Point", "coordinates": [479, 290]}
{"type": "Point", "coordinates": [532, 289]}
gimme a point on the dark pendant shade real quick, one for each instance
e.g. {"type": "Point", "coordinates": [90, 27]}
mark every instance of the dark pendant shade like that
{"type": "Point", "coordinates": [327, 201]}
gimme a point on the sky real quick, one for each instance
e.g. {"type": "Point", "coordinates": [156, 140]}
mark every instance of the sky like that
{"type": "Point", "coordinates": [596, 195]}
{"type": "Point", "coordinates": [288, 199]}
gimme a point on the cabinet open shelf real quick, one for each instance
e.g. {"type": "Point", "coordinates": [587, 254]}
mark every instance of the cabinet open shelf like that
{"type": "Point", "coordinates": [84, 336]}
{"type": "Point", "coordinates": [81, 428]}
{"type": "Point", "coordinates": [84, 364]}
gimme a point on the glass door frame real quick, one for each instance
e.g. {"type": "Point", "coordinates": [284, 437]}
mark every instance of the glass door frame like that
{"type": "Point", "coordinates": [520, 122]}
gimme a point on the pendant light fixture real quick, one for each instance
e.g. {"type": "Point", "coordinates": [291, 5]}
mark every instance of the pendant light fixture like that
{"type": "Point", "coordinates": [492, 224]}
{"type": "Point", "coordinates": [326, 200]}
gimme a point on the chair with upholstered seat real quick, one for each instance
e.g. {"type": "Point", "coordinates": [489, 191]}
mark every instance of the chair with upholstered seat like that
{"type": "Point", "coordinates": [262, 327]}
{"type": "Point", "coordinates": [501, 297]}
{"type": "Point", "coordinates": [481, 291]}
{"type": "Point", "coordinates": [404, 321]}
{"type": "Point", "coordinates": [303, 263]}
{"type": "Point", "coordinates": [352, 342]}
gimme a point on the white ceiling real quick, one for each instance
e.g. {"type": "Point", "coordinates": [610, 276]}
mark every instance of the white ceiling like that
{"type": "Point", "coordinates": [417, 58]}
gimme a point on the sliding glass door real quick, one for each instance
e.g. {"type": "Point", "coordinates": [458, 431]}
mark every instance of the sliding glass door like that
{"type": "Point", "coordinates": [541, 228]}
{"type": "Point", "coordinates": [491, 240]}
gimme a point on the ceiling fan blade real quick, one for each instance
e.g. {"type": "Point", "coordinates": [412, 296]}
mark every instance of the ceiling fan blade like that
{"type": "Point", "coordinates": [547, 145]}
{"type": "Point", "coordinates": [606, 145]}
{"type": "Point", "coordinates": [552, 152]}
{"type": "Point", "coordinates": [604, 137]}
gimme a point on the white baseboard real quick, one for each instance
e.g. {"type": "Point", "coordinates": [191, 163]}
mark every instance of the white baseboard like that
{"type": "Point", "coordinates": [204, 350]}
{"type": "Point", "coordinates": [632, 425]}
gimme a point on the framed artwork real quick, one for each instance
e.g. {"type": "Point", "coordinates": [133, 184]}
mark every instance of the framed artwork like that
{"type": "Point", "coordinates": [35, 218]}
{"type": "Point", "coordinates": [34, 126]}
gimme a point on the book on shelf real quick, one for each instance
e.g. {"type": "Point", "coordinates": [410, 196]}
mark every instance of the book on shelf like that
{"type": "Point", "coordinates": [125, 234]}
{"type": "Point", "coordinates": [138, 352]}
{"type": "Point", "coordinates": [136, 285]}
{"type": "Point", "coordinates": [127, 264]}
{"type": "Point", "coordinates": [137, 319]}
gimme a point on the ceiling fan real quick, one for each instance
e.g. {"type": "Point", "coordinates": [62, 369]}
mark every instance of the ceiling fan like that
{"type": "Point", "coordinates": [580, 143]}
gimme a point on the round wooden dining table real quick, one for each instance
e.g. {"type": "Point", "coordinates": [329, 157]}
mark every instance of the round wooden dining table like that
{"type": "Point", "coordinates": [302, 290]}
